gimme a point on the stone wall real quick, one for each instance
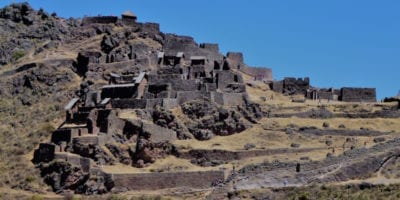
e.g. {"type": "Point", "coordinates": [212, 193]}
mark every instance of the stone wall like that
{"type": "Point", "coordinates": [127, 21]}
{"type": "Point", "coordinates": [78, 117]}
{"type": "Point", "coordinates": [234, 88]}
{"type": "Point", "coordinates": [227, 99]}
{"type": "Point", "coordinates": [174, 44]}
{"type": "Point", "coordinates": [210, 87]}
{"type": "Point", "coordinates": [224, 78]}
{"type": "Point", "coordinates": [184, 85]}
{"type": "Point", "coordinates": [358, 94]}
{"type": "Point", "coordinates": [151, 28]}
{"type": "Point", "coordinates": [217, 97]}
{"type": "Point", "coordinates": [117, 66]}
{"type": "Point", "coordinates": [99, 20]}
{"type": "Point", "coordinates": [210, 47]}
{"type": "Point", "coordinates": [162, 79]}
{"type": "Point", "coordinates": [277, 86]}
{"type": "Point", "coordinates": [62, 135]}
{"type": "Point", "coordinates": [232, 99]}
{"type": "Point", "coordinates": [258, 73]}
{"type": "Point", "coordinates": [156, 181]}
{"type": "Point", "coordinates": [90, 139]}
{"type": "Point", "coordinates": [191, 95]}
{"type": "Point", "coordinates": [296, 85]}
{"type": "Point", "coordinates": [291, 86]}
{"type": "Point", "coordinates": [169, 103]}
{"type": "Point", "coordinates": [45, 153]}
{"type": "Point", "coordinates": [197, 72]}
{"type": "Point", "coordinates": [237, 57]}
{"type": "Point", "coordinates": [323, 93]}
{"type": "Point", "coordinates": [129, 103]}
{"type": "Point", "coordinates": [119, 91]}
{"type": "Point", "coordinates": [152, 103]}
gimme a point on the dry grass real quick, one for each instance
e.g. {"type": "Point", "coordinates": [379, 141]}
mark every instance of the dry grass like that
{"type": "Point", "coordinates": [128, 114]}
{"type": "Point", "coordinates": [168, 164]}
{"type": "Point", "coordinates": [236, 142]}
{"type": "Point", "coordinates": [284, 104]}
{"type": "Point", "coordinates": [275, 138]}
{"type": "Point", "coordinates": [378, 124]}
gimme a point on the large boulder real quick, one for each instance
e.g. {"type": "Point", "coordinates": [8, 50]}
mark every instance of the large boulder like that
{"type": "Point", "coordinates": [110, 42]}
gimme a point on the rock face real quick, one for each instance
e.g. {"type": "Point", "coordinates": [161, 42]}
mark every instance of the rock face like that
{"type": "Point", "coordinates": [23, 28]}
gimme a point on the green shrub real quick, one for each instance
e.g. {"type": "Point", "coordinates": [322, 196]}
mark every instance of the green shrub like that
{"type": "Point", "coordinates": [36, 197]}
{"type": "Point", "coordinates": [16, 55]}
{"type": "Point", "coordinates": [30, 179]}
{"type": "Point", "coordinates": [304, 196]}
{"type": "Point", "coordinates": [146, 197]}
{"type": "Point", "coordinates": [117, 197]}
{"type": "Point", "coordinates": [47, 128]}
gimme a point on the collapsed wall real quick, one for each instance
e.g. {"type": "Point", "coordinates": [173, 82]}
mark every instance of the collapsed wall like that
{"type": "Point", "coordinates": [235, 60]}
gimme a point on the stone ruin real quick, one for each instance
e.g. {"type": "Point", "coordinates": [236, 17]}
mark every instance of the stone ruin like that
{"type": "Point", "coordinates": [127, 18]}
{"type": "Point", "coordinates": [299, 86]}
{"type": "Point", "coordinates": [291, 86]}
{"type": "Point", "coordinates": [206, 85]}
{"type": "Point", "coordinates": [235, 60]}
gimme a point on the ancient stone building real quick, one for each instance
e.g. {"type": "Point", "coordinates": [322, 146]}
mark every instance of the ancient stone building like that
{"type": "Point", "coordinates": [323, 93]}
{"type": "Point", "coordinates": [128, 18]}
{"type": "Point", "coordinates": [211, 47]}
{"type": "Point", "coordinates": [149, 81]}
{"type": "Point", "coordinates": [291, 86]}
{"type": "Point", "coordinates": [358, 94]}
{"type": "Point", "coordinates": [235, 60]}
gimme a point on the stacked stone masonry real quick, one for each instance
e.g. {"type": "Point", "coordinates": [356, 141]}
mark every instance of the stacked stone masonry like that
{"type": "Point", "coordinates": [180, 72]}
{"type": "Point", "coordinates": [299, 86]}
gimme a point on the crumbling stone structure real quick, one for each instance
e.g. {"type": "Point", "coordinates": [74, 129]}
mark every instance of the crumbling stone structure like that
{"type": "Point", "coordinates": [291, 86]}
{"type": "Point", "coordinates": [235, 60]}
{"type": "Point", "coordinates": [358, 94]}
{"type": "Point", "coordinates": [128, 18]}
{"type": "Point", "coordinates": [323, 93]}
{"type": "Point", "coordinates": [99, 20]}
{"type": "Point", "coordinates": [345, 94]}
{"type": "Point", "coordinates": [211, 47]}
{"type": "Point", "coordinates": [149, 82]}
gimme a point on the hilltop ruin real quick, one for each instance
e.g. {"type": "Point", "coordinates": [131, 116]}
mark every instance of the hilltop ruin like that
{"type": "Point", "coordinates": [113, 105]}
{"type": "Point", "coordinates": [153, 81]}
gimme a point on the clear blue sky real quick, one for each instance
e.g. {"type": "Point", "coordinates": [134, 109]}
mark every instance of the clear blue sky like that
{"type": "Point", "coordinates": [336, 43]}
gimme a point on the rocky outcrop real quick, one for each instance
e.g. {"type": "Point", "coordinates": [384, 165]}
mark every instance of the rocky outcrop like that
{"type": "Point", "coordinates": [62, 175]}
{"type": "Point", "coordinates": [208, 120]}
{"type": "Point", "coordinates": [23, 28]}
{"type": "Point", "coordinates": [92, 151]}
{"type": "Point", "coordinates": [166, 119]}
{"type": "Point", "coordinates": [110, 42]}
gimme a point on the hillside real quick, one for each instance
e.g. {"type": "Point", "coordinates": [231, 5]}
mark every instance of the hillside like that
{"type": "Point", "coordinates": [109, 107]}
